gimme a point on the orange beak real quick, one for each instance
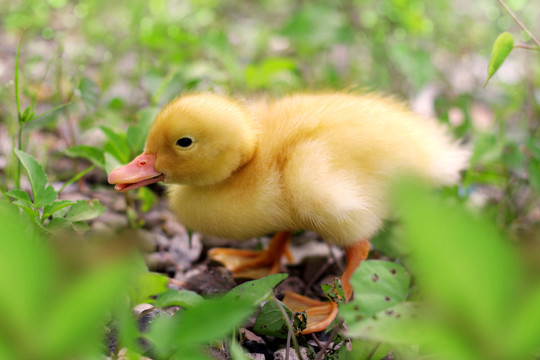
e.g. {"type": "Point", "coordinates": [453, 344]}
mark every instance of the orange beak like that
{"type": "Point", "coordinates": [139, 172]}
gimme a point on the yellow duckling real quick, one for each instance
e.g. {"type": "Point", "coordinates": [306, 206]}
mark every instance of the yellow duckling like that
{"type": "Point", "coordinates": [319, 162]}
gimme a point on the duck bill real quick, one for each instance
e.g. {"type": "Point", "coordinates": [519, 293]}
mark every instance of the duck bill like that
{"type": "Point", "coordinates": [139, 172]}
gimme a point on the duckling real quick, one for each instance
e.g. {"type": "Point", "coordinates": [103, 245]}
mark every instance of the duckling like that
{"type": "Point", "coordinates": [311, 161]}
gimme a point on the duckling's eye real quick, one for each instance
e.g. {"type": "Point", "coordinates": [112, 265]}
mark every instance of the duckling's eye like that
{"type": "Point", "coordinates": [184, 142]}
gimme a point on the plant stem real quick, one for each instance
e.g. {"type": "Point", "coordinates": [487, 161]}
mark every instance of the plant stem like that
{"type": "Point", "coordinates": [316, 341]}
{"type": "Point", "coordinates": [321, 353]}
{"type": "Point", "coordinates": [76, 177]}
{"type": "Point", "coordinates": [528, 47]}
{"type": "Point", "coordinates": [50, 111]}
{"type": "Point", "coordinates": [289, 336]}
{"type": "Point", "coordinates": [521, 25]}
{"type": "Point", "coordinates": [289, 326]}
{"type": "Point", "coordinates": [19, 115]}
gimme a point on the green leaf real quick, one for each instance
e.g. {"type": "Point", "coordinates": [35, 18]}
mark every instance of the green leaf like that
{"type": "Point", "coordinates": [58, 224]}
{"type": "Point", "coordinates": [534, 173]}
{"type": "Point", "coordinates": [83, 308]}
{"type": "Point", "coordinates": [377, 285]}
{"type": "Point", "coordinates": [29, 211]}
{"type": "Point", "coordinates": [237, 352]}
{"type": "Point", "coordinates": [271, 70]}
{"type": "Point", "coordinates": [503, 45]}
{"type": "Point", "coordinates": [27, 268]}
{"type": "Point", "coordinates": [208, 321]}
{"type": "Point", "coordinates": [148, 198]}
{"type": "Point", "coordinates": [20, 195]}
{"type": "Point", "coordinates": [42, 194]}
{"type": "Point", "coordinates": [149, 284]}
{"type": "Point", "coordinates": [533, 145]}
{"type": "Point", "coordinates": [184, 298]}
{"type": "Point", "coordinates": [270, 320]}
{"type": "Point", "coordinates": [89, 93]}
{"type": "Point", "coordinates": [334, 292]}
{"type": "Point", "coordinates": [213, 319]}
{"type": "Point", "coordinates": [27, 115]}
{"type": "Point", "coordinates": [84, 210]}
{"type": "Point", "coordinates": [488, 149]}
{"type": "Point", "coordinates": [136, 134]}
{"type": "Point", "coordinates": [56, 206]}
{"type": "Point", "coordinates": [135, 138]}
{"type": "Point", "coordinates": [116, 145]}
{"type": "Point", "coordinates": [111, 162]}
{"type": "Point", "coordinates": [90, 153]}
{"type": "Point", "coordinates": [365, 349]}
{"type": "Point", "coordinates": [46, 197]}
{"type": "Point", "coordinates": [525, 326]}
{"type": "Point", "coordinates": [129, 334]}
{"type": "Point", "coordinates": [80, 226]}
{"type": "Point", "coordinates": [256, 291]}
{"type": "Point", "coordinates": [76, 177]}
{"type": "Point", "coordinates": [7, 350]}
{"type": "Point", "coordinates": [392, 325]}
{"type": "Point", "coordinates": [462, 263]}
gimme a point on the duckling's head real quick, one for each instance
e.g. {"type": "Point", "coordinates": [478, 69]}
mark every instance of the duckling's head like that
{"type": "Point", "coordinates": [197, 139]}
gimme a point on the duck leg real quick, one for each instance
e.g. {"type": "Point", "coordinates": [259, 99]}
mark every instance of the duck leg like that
{"type": "Point", "coordinates": [320, 314]}
{"type": "Point", "coordinates": [255, 264]}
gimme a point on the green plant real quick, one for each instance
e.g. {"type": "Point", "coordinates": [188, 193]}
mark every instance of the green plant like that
{"type": "Point", "coordinates": [474, 290]}
{"type": "Point", "coordinates": [51, 310]}
{"type": "Point", "coordinates": [24, 117]}
{"type": "Point", "coordinates": [381, 291]}
{"type": "Point", "coordinates": [504, 44]}
{"type": "Point", "coordinates": [44, 208]}
{"type": "Point", "coordinates": [473, 279]}
{"type": "Point", "coordinates": [203, 321]}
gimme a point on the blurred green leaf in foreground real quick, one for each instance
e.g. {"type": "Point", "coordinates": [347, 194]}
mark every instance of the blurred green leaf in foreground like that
{"type": "Point", "coordinates": [49, 309]}
{"type": "Point", "coordinates": [477, 301]}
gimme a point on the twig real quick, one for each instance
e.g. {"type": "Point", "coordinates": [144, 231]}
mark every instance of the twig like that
{"type": "Point", "coordinates": [521, 25]}
{"type": "Point", "coordinates": [289, 326]}
{"type": "Point", "coordinates": [528, 47]}
{"type": "Point", "coordinates": [320, 354]}
{"type": "Point", "coordinates": [317, 341]}
{"type": "Point", "coordinates": [319, 273]}
{"type": "Point", "coordinates": [337, 260]}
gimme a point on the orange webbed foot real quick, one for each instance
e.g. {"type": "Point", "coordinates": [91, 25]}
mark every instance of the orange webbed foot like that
{"type": "Point", "coordinates": [255, 264]}
{"type": "Point", "coordinates": [320, 314]}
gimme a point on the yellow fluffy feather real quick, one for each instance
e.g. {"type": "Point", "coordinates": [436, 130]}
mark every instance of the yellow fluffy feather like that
{"type": "Point", "coordinates": [319, 162]}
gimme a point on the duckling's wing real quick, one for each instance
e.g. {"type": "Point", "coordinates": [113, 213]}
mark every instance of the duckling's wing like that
{"type": "Point", "coordinates": [341, 205]}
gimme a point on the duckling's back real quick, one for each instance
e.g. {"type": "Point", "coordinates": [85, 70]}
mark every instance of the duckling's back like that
{"type": "Point", "coordinates": [375, 134]}
{"type": "Point", "coordinates": [338, 152]}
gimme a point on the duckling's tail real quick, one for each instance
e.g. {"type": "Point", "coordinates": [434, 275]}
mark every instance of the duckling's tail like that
{"type": "Point", "coordinates": [448, 162]}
